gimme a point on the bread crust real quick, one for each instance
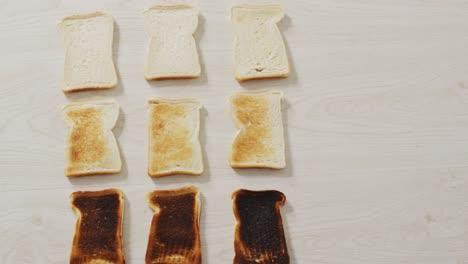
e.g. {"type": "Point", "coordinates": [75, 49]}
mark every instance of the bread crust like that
{"type": "Point", "coordinates": [87, 247]}
{"type": "Point", "coordinates": [173, 172]}
{"type": "Point", "coordinates": [91, 173]}
{"type": "Point", "coordinates": [162, 7]}
{"type": "Point", "coordinates": [272, 76]}
{"type": "Point", "coordinates": [85, 88]}
{"type": "Point", "coordinates": [158, 100]}
{"type": "Point", "coordinates": [253, 118]}
{"type": "Point", "coordinates": [171, 192]}
{"type": "Point", "coordinates": [161, 122]}
{"type": "Point", "coordinates": [259, 235]}
{"type": "Point", "coordinates": [174, 237]}
{"type": "Point", "coordinates": [256, 6]}
{"type": "Point", "coordinates": [76, 194]}
{"type": "Point", "coordinates": [85, 16]}
{"type": "Point", "coordinates": [255, 166]}
{"type": "Point", "coordinates": [172, 77]}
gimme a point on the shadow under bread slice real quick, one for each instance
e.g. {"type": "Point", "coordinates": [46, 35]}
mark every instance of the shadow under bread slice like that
{"type": "Point", "coordinates": [174, 235]}
{"type": "Point", "coordinates": [259, 235]}
{"type": "Point", "coordinates": [98, 230]}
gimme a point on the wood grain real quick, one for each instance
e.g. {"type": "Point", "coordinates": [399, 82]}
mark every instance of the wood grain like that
{"type": "Point", "coordinates": [376, 118]}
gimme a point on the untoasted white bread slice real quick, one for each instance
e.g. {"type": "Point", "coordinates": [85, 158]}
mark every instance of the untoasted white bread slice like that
{"type": "Point", "coordinates": [259, 143]}
{"type": "Point", "coordinates": [91, 145]}
{"type": "Point", "coordinates": [259, 48]}
{"type": "Point", "coordinates": [172, 52]}
{"type": "Point", "coordinates": [87, 40]}
{"type": "Point", "coordinates": [174, 145]}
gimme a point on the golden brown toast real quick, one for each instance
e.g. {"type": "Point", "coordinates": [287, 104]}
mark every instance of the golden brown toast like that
{"type": "Point", "coordinates": [174, 236]}
{"type": "Point", "coordinates": [98, 230]}
{"type": "Point", "coordinates": [259, 142]}
{"type": "Point", "coordinates": [174, 146]}
{"type": "Point", "coordinates": [91, 146]}
{"type": "Point", "coordinates": [259, 235]}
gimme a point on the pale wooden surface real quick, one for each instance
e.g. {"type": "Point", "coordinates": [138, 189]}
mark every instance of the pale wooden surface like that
{"type": "Point", "coordinates": [376, 118]}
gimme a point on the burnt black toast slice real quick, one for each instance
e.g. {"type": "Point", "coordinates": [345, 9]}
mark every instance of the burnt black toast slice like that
{"type": "Point", "coordinates": [98, 230]}
{"type": "Point", "coordinates": [174, 235]}
{"type": "Point", "coordinates": [259, 235]}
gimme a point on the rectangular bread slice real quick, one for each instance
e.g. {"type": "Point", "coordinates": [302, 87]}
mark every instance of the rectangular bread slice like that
{"type": "Point", "coordinates": [259, 142]}
{"type": "Point", "coordinates": [174, 236]}
{"type": "Point", "coordinates": [87, 40]}
{"type": "Point", "coordinates": [259, 235]}
{"type": "Point", "coordinates": [259, 50]}
{"type": "Point", "coordinates": [91, 147]}
{"type": "Point", "coordinates": [172, 52]}
{"type": "Point", "coordinates": [98, 230]}
{"type": "Point", "coordinates": [174, 145]}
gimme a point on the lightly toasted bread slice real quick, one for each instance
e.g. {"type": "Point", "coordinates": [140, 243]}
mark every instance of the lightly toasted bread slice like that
{"type": "Point", "coordinates": [98, 230]}
{"type": "Point", "coordinates": [174, 145]}
{"type": "Point", "coordinates": [259, 142]}
{"type": "Point", "coordinates": [259, 49]}
{"type": "Point", "coordinates": [259, 235]}
{"type": "Point", "coordinates": [174, 236]}
{"type": "Point", "coordinates": [91, 145]}
{"type": "Point", "coordinates": [172, 51]}
{"type": "Point", "coordinates": [87, 40]}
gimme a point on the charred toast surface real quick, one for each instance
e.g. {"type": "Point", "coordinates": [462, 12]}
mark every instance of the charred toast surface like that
{"type": "Point", "coordinates": [98, 231]}
{"type": "Point", "coordinates": [174, 235]}
{"type": "Point", "coordinates": [259, 235]}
